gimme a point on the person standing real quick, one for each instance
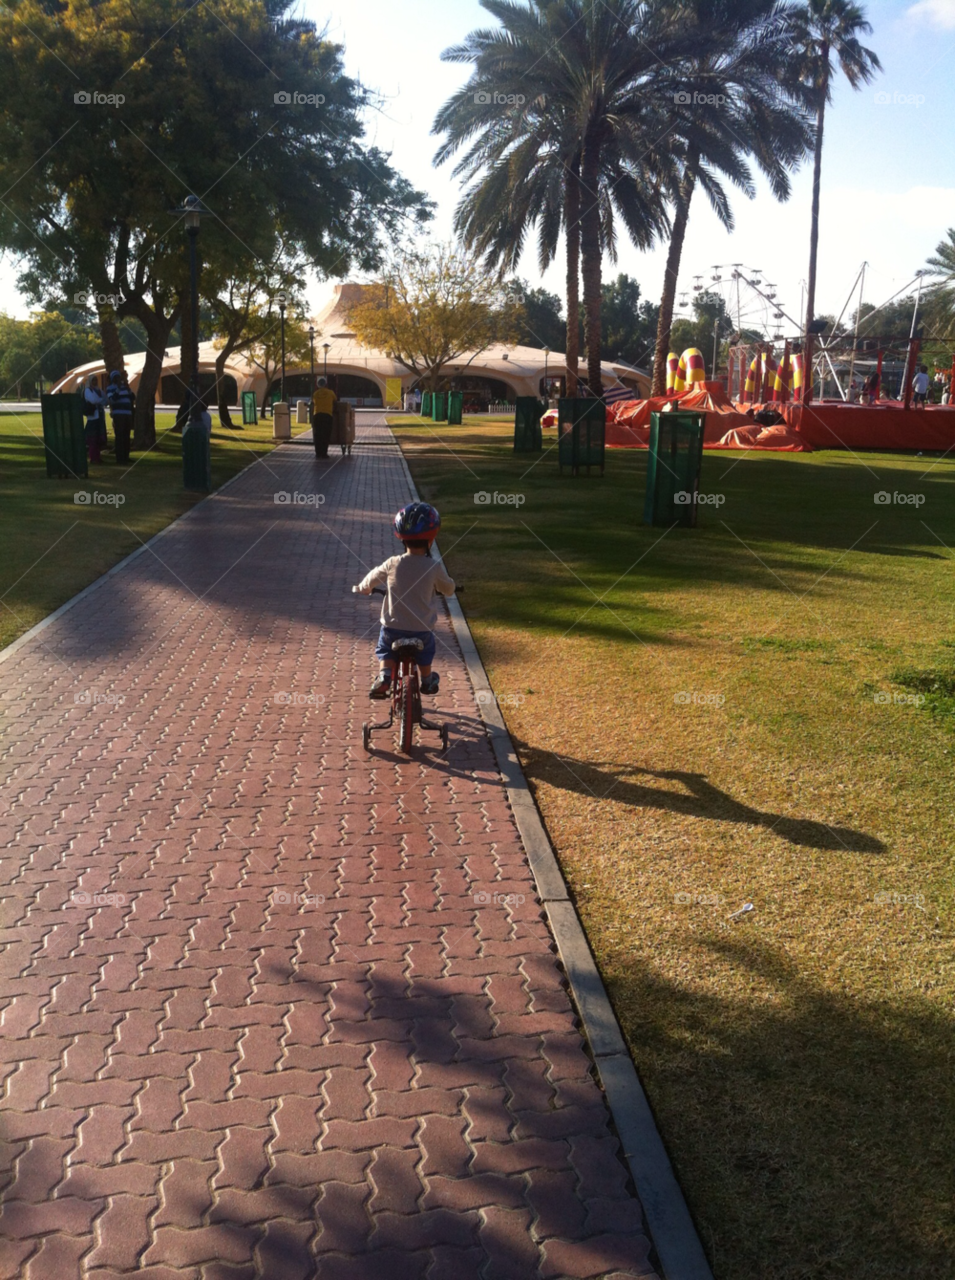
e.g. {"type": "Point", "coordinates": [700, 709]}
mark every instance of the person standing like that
{"type": "Point", "coordinates": [323, 405]}
{"type": "Point", "coordinates": [94, 410]}
{"type": "Point", "coordinates": [920, 386]}
{"type": "Point", "coordinates": [122, 402]}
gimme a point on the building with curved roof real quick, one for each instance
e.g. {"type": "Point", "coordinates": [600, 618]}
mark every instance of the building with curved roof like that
{"type": "Point", "coordinates": [359, 374]}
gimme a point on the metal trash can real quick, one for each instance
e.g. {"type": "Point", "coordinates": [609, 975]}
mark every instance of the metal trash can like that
{"type": "Point", "coordinates": [581, 434]}
{"type": "Point", "coordinates": [64, 435]}
{"type": "Point", "coordinates": [301, 413]}
{"type": "Point", "coordinates": [196, 458]}
{"type": "Point", "coordinates": [281, 421]}
{"type": "Point", "coordinates": [455, 408]}
{"type": "Point", "coordinates": [343, 425]}
{"type": "Point", "coordinates": [250, 411]}
{"type": "Point", "coordinates": [439, 407]}
{"type": "Point", "coordinates": [673, 469]}
{"type": "Point", "coordinates": [528, 412]}
{"type": "Point", "coordinates": [426, 404]}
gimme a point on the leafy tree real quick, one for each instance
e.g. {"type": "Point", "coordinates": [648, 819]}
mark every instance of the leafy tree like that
{"type": "Point", "coordinates": [431, 306]}
{"type": "Point", "coordinates": [44, 347]}
{"type": "Point", "coordinates": [243, 105]}
{"type": "Point", "coordinates": [940, 299]}
{"type": "Point", "coordinates": [629, 325]}
{"type": "Point", "coordinates": [542, 319]}
{"type": "Point", "coordinates": [827, 39]}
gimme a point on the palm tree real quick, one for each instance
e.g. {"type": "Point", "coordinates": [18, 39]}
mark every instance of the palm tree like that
{"type": "Point", "coordinates": [827, 30]}
{"type": "Point", "coordinates": [941, 297]}
{"type": "Point", "coordinates": [582, 84]}
{"type": "Point", "coordinates": [746, 110]}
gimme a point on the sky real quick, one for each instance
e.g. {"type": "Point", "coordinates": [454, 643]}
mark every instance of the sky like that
{"type": "Point", "coordinates": [888, 179]}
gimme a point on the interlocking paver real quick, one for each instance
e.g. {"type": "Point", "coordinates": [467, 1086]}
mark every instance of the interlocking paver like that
{"type": "Point", "coordinates": [254, 1024]}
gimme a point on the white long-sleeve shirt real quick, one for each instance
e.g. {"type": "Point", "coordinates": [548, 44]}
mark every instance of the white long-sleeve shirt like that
{"type": "Point", "coordinates": [410, 584]}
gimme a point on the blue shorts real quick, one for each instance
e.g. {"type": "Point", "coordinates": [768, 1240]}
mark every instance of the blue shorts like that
{"type": "Point", "coordinates": [388, 634]}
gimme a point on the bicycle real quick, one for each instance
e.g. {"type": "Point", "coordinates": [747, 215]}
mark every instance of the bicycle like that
{"type": "Point", "coordinates": [405, 707]}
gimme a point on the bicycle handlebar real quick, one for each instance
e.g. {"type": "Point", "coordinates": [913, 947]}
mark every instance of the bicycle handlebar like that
{"type": "Point", "coordinates": [380, 591]}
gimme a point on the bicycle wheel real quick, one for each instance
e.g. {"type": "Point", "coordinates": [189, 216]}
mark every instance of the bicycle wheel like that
{"type": "Point", "coordinates": [406, 715]}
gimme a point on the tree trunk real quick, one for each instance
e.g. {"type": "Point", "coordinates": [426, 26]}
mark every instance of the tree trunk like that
{"type": "Point", "coordinates": [674, 254]}
{"type": "Point", "coordinates": [814, 235]}
{"type": "Point", "coordinates": [591, 259]}
{"type": "Point", "coordinates": [572, 220]}
{"type": "Point", "coordinates": [157, 335]}
{"type": "Point", "coordinates": [225, 418]}
{"type": "Point", "coordinates": [112, 347]}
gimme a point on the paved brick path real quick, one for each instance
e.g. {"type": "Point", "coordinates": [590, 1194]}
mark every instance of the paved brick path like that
{"type": "Point", "coordinates": [255, 1021]}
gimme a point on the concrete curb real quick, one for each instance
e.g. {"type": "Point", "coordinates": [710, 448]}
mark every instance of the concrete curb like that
{"type": "Point", "coordinates": [668, 1218]}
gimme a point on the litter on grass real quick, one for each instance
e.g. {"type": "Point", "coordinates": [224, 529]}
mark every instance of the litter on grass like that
{"type": "Point", "coordinates": [744, 910]}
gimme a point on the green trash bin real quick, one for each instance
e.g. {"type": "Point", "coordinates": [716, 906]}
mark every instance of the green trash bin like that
{"type": "Point", "coordinates": [439, 407]}
{"type": "Point", "coordinates": [528, 412]}
{"type": "Point", "coordinates": [455, 408]}
{"type": "Point", "coordinates": [196, 458]}
{"type": "Point", "coordinates": [581, 434]}
{"type": "Point", "coordinates": [64, 435]}
{"type": "Point", "coordinates": [426, 404]}
{"type": "Point", "coordinates": [673, 469]}
{"type": "Point", "coordinates": [250, 411]}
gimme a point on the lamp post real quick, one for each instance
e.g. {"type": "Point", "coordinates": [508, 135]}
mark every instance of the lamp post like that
{"type": "Point", "coordinates": [193, 207]}
{"type": "Point", "coordinates": [311, 358]}
{"type": "Point", "coordinates": [546, 389]}
{"type": "Point", "coordinates": [282, 323]}
{"type": "Point", "coordinates": [196, 453]}
{"type": "Point", "coordinates": [325, 346]}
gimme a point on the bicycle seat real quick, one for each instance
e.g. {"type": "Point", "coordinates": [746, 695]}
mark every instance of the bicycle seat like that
{"type": "Point", "coordinates": [407, 642]}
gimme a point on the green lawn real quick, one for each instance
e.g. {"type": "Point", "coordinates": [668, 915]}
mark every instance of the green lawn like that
{"type": "Point", "coordinates": [759, 711]}
{"type": "Point", "coordinates": [53, 547]}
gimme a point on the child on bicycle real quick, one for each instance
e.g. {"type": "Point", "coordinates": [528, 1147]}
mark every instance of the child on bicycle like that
{"type": "Point", "coordinates": [410, 581]}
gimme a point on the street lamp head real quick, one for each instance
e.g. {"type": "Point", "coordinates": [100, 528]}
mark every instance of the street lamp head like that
{"type": "Point", "coordinates": [311, 333]}
{"type": "Point", "coordinates": [192, 209]}
{"type": "Point", "coordinates": [326, 346]}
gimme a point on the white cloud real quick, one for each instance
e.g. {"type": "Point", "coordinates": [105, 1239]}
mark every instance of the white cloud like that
{"type": "Point", "coordinates": [940, 13]}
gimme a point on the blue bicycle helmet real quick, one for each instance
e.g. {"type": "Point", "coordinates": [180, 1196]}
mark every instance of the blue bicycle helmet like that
{"type": "Point", "coordinates": [417, 521]}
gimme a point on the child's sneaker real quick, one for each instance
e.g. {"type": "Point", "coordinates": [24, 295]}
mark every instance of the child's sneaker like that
{"type": "Point", "coordinates": [429, 684]}
{"type": "Point", "coordinates": [381, 688]}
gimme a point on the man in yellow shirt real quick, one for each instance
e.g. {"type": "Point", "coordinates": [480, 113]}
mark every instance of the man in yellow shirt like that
{"type": "Point", "coordinates": [323, 402]}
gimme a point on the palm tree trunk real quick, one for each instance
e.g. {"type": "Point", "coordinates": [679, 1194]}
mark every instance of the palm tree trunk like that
{"type": "Point", "coordinates": [572, 221]}
{"type": "Point", "coordinates": [674, 254]}
{"type": "Point", "coordinates": [814, 234]}
{"type": "Point", "coordinates": [590, 254]}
